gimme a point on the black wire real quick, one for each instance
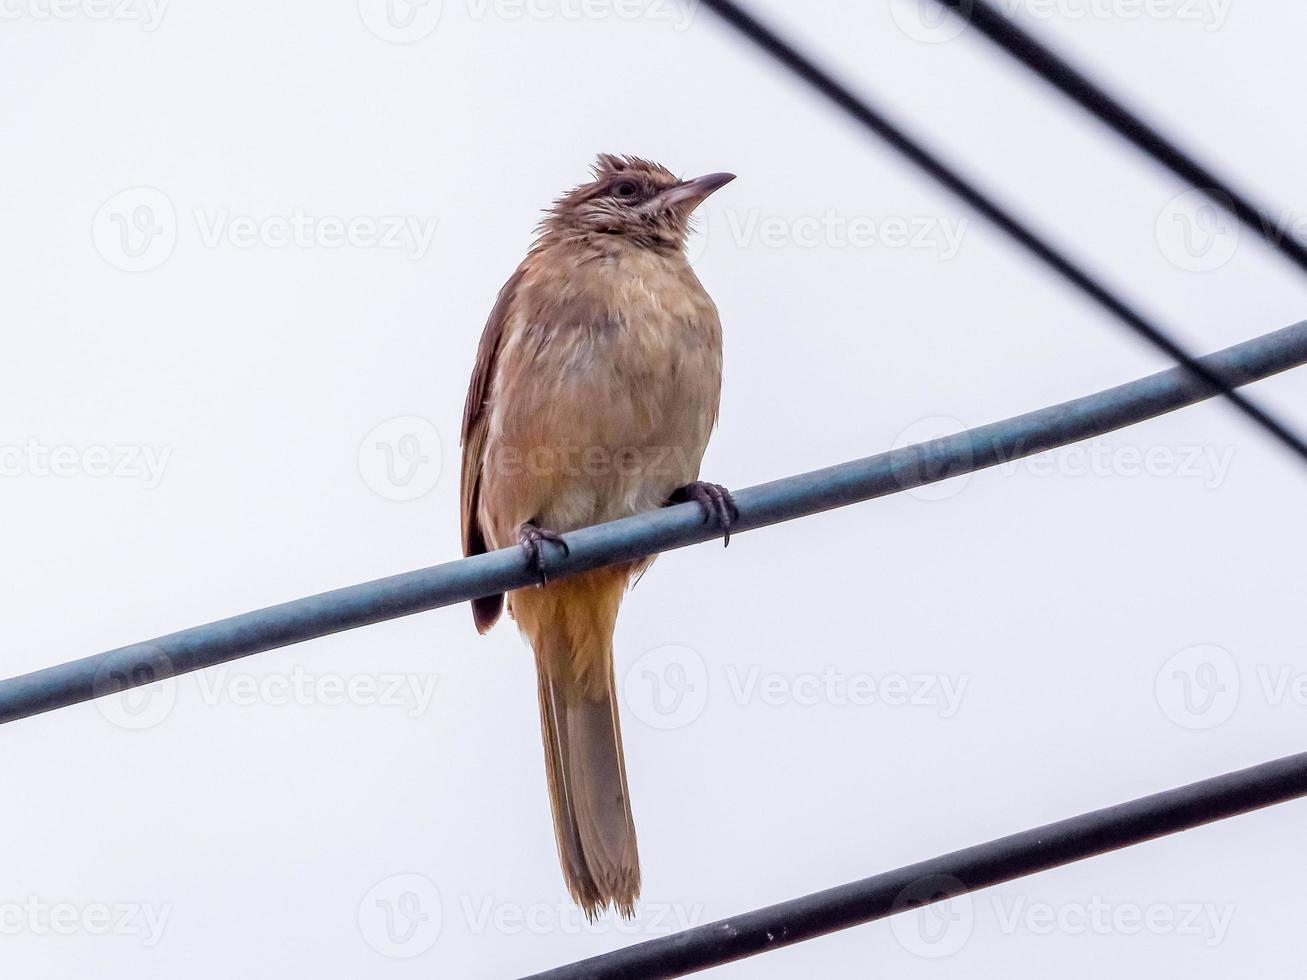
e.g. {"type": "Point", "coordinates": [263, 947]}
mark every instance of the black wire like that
{"type": "Point", "coordinates": [944, 877]}
{"type": "Point", "coordinates": [1044, 62]}
{"type": "Point", "coordinates": [880, 124]}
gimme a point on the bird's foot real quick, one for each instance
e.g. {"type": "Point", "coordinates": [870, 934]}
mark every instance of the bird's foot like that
{"type": "Point", "coordinates": [529, 538]}
{"type": "Point", "coordinates": [716, 502]}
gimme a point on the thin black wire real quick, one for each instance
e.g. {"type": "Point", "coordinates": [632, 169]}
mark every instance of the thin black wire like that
{"type": "Point", "coordinates": [1057, 71]}
{"type": "Point", "coordinates": [949, 875]}
{"type": "Point", "coordinates": [876, 121]}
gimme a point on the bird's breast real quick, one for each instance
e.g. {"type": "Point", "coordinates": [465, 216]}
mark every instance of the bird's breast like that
{"type": "Point", "coordinates": [609, 387]}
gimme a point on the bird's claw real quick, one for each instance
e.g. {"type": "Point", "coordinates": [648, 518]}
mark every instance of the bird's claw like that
{"type": "Point", "coordinates": [529, 538]}
{"type": "Point", "coordinates": [715, 501]}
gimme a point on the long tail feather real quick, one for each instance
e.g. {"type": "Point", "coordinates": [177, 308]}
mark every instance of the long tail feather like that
{"type": "Point", "coordinates": [570, 624]}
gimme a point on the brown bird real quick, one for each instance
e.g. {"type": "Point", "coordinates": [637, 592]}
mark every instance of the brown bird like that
{"type": "Point", "coordinates": [596, 385]}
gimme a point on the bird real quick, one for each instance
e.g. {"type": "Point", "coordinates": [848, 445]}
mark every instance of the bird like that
{"type": "Point", "coordinates": [596, 385]}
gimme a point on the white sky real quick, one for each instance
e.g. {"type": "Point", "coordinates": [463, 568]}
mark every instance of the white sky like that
{"type": "Point", "coordinates": [254, 835]}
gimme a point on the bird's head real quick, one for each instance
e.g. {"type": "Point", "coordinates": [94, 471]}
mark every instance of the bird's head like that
{"type": "Point", "coordinates": [638, 200]}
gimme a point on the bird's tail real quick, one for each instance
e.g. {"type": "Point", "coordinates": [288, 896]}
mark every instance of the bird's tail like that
{"type": "Point", "coordinates": [570, 625]}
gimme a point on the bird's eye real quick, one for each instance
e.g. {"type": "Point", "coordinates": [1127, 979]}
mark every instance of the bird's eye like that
{"type": "Point", "coordinates": [627, 188]}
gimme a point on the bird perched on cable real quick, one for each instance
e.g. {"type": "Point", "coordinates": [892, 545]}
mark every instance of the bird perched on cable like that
{"type": "Point", "coordinates": [596, 385]}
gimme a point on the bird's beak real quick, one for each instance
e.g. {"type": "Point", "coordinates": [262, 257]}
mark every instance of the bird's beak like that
{"type": "Point", "coordinates": [689, 194]}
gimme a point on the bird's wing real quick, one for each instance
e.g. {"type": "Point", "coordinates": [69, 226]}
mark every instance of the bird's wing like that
{"type": "Point", "coordinates": [475, 424]}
